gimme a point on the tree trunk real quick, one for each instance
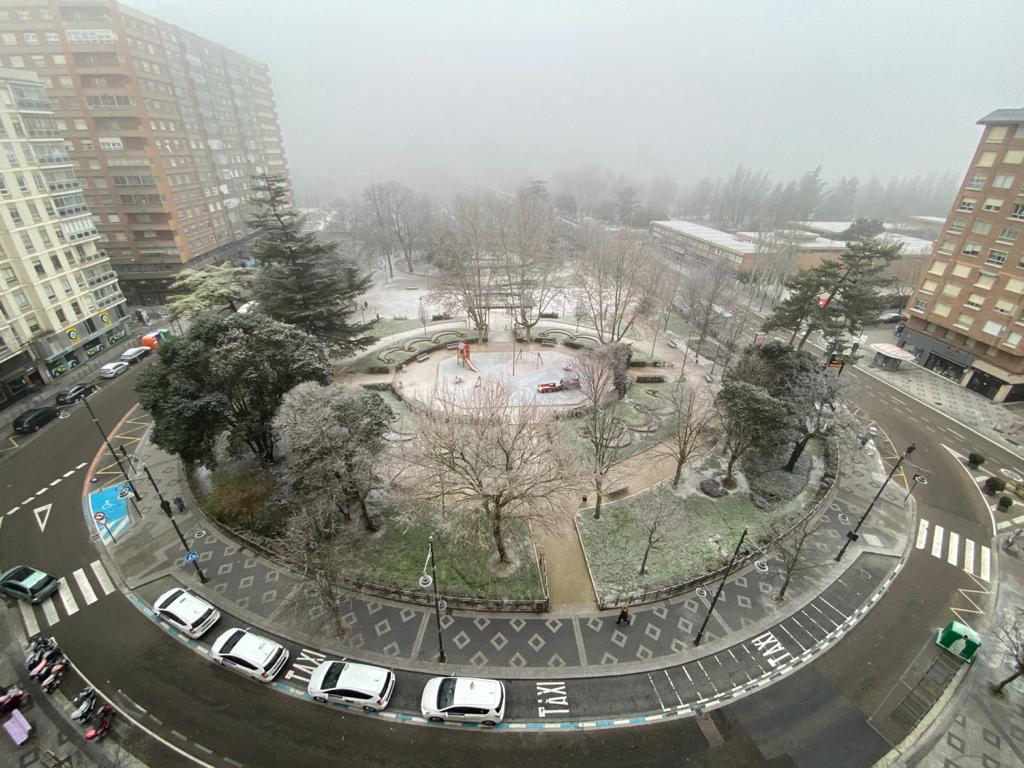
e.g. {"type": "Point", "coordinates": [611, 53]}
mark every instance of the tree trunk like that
{"type": "Point", "coordinates": [643, 565]}
{"type": "Point", "coordinates": [499, 537]}
{"type": "Point", "coordinates": [408, 260]}
{"type": "Point", "coordinates": [803, 338]}
{"type": "Point", "coordinates": [728, 471]}
{"type": "Point", "coordinates": [679, 472]}
{"type": "Point", "coordinates": [391, 266]}
{"type": "Point", "coordinates": [598, 496]}
{"type": "Point", "coordinates": [364, 513]}
{"type": "Point", "coordinates": [231, 303]}
{"type": "Point", "coordinates": [785, 585]}
{"type": "Point", "coordinates": [798, 450]}
{"type": "Point", "coordinates": [1007, 681]}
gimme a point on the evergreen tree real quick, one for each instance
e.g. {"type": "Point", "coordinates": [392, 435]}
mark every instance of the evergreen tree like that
{"type": "Point", "coordinates": [303, 280]}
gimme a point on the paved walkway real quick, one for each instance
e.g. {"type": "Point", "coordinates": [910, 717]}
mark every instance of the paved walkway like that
{"type": "Point", "coordinates": [584, 641]}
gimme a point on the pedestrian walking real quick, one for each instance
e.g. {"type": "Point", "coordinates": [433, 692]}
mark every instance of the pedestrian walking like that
{"type": "Point", "coordinates": [624, 617]}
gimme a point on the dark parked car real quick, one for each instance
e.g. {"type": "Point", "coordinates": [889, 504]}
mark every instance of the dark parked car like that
{"type": "Point", "coordinates": [31, 421]}
{"type": "Point", "coordinates": [76, 393]}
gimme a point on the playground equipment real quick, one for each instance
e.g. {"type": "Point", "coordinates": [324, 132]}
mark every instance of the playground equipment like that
{"type": "Point", "coordinates": [462, 351]}
{"type": "Point", "coordinates": [569, 381]}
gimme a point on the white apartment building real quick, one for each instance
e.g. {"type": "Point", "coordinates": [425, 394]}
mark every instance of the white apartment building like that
{"type": "Point", "coordinates": [59, 299]}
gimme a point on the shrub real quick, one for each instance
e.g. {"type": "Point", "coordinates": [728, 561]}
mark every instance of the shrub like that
{"type": "Point", "coordinates": [1005, 502]}
{"type": "Point", "coordinates": [378, 369]}
{"type": "Point", "coordinates": [995, 485]}
{"type": "Point", "coordinates": [549, 315]}
{"type": "Point", "coordinates": [241, 501]}
{"type": "Point", "coordinates": [440, 317]}
{"type": "Point", "coordinates": [975, 459]}
{"type": "Point", "coordinates": [651, 379]}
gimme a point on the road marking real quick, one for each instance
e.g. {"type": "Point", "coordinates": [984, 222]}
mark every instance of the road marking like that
{"type": "Point", "coordinates": [552, 693]}
{"type": "Point", "coordinates": [954, 432]}
{"type": "Point", "coordinates": [56, 481]}
{"type": "Point", "coordinates": [101, 576]}
{"type": "Point", "coordinates": [986, 558]}
{"type": "Point", "coordinates": [969, 555]}
{"type": "Point", "coordinates": [84, 586]}
{"type": "Point", "coordinates": [12, 510]}
{"type": "Point", "coordinates": [66, 597]}
{"type": "Point", "coordinates": [678, 697]}
{"type": "Point", "coordinates": [937, 541]}
{"type": "Point", "coordinates": [27, 501]}
{"type": "Point", "coordinates": [42, 490]}
{"type": "Point", "coordinates": [954, 548]}
{"type": "Point", "coordinates": [81, 465]}
{"type": "Point", "coordinates": [27, 616]}
{"type": "Point", "coordinates": [69, 473]}
{"type": "Point", "coordinates": [50, 612]}
{"type": "Point", "coordinates": [656, 694]}
{"type": "Point", "coordinates": [42, 516]}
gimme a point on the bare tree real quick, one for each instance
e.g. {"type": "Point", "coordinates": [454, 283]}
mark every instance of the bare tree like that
{"type": "Point", "coordinates": [319, 560]}
{"type": "Point", "coordinates": [486, 463]}
{"type": "Point", "coordinates": [654, 514]}
{"type": "Point", "coordinates": [906, 273]}
{"type": "Point", "coordinates": [1011, 637]}
{"type": "Point", "coordinates": [689, 427]}
{"type": "Point", "coordinates": [466, 257]}
{"type": "Point", "coordinates": [617, 273]}
{"type": "Point", "coordinates": [399, 216]}
{"type": "Point", "coordinates": [604, 428]}
{"type": "Point", "coordinates": [709, 294]}
{"type": "Point", "coordinates": [527, 246]}
{"type": "Point", "coordinates": [791, 551]}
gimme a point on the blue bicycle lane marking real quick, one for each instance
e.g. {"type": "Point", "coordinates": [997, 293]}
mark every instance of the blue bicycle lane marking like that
{"type": "Point", "coordinates": [114, 509]}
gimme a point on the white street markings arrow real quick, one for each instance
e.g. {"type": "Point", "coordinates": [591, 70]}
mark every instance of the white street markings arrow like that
{"type": "Point", "coordinates": [42, 515]}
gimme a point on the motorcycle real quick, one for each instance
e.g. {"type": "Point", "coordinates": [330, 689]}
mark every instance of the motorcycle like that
{"type": "Point", "coordinates": [106, 720]}
{"type": "Point", "coordinates": [12, 699]}
{"type": "Point", "coordinates": [48, 659]}
{"type": "Point", "coordinates": [84, 704]}
{"type": "Point", "coordinates": [36, 648]}
{"type": "Point", "coordinates": [52, 681]}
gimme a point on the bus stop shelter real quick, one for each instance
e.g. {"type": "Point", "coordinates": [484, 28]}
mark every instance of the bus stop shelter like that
{"type": "Point", "coordinates": [889, 356]}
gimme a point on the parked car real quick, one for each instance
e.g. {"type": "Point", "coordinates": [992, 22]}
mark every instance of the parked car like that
{"type": "Point", "coordinates": [187, 612]}
{"type": "Point", "coordinates": [135, 354]}
{"type": "Point", "coordinates": [31, 421]}
{"type": "Point", "coordinates": [24, 582]}
{"type": "Point", "coordinates": [249, 654]}
{"type": "Point", "coordinates": [76, 393]}
{"type": "Point", "coordinates": [345, 682]}
{"type": "Point", "coordinates": [113, 370]}
{"type": "Point", "coordinates": [468, 699]}
{"type": "Point", "coordinates": [889, 317]}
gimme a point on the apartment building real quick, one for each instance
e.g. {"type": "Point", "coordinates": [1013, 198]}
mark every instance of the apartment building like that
{"type": "Point", "coordinates": [59, 298]}
{"type": "Point", "coordinates": [165, 129]}
{"type": "Point", "coordinates": [966, 312]}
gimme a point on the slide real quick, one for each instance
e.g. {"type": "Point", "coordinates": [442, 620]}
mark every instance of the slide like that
{"type": "Point", "coordinates": [471, 366]}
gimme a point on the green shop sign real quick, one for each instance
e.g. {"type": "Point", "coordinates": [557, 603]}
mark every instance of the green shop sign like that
{"type": "Point", "coordinates": [93, 348]}
{"type": "Point", "coordinates": [57, 369]}
{"type": "Point", "coordinates": [117, 334]}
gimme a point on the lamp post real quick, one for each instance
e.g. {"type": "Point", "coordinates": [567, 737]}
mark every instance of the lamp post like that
{"type": "Point", "coordinates": [425, 581]}
{"type": "Point", "coordinates": [113, 453]}
{"type": "Point", "coordinates": [725, 577]}
{"type": "Point", "coordinates": [851, 536]}
{"type": "Point", "coordinates": [918, 478]}
{"type": "Point", "coordinates": [165, 505]}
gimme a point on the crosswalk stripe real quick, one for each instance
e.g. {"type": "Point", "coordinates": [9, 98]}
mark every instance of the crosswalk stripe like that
{"type": "Point", "coordinates": [50, 611]}
{"type": "Point", "coordinates": [922, 534]}
{"type": "Point", "coordinates": [84, 586]}
{"type": "Point", "coordinates": [31, 626]}
{"type": "Point", "coordinates": [954, 548]}
{"type": "Point", "coordinates": [986, 563]}
{"type": "Point", "coordinates": [101, 576]}
{"type": "Point", "coordinates": [67, 597]}
{"type": "Point", "coordinates": [969, 555]}
{"type": "Point", "coordinates": [937, 541]}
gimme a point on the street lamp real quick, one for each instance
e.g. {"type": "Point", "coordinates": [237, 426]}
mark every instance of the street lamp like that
{"type": "Point", "coordinates": [425, 581]}
{"type": "Point", "coordinates": [918, 479]}
{"type": "Point", "coordinates": [725, 577]}
{"type": "Point", "coordinates": [165, 505]}
{"type": "Point", "coordinates": [113, 453]}
{"type": "Point", "coordinates": [851, 536]}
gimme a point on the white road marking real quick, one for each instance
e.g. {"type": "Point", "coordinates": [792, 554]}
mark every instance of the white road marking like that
{"type": "Point", "coordinates": [56, 481]}
{"type": "Point", "coordinates": [31, 625]}
{"type": "Point", "coordinates": [656, 694]}
{"type": "Point", "coordinates": [50, 611]}
{"type": "Point", "coordinates": [27, 501]}
{"type": "Point", "coordinates": [678, 697]}
{"type": "Point", "coordinates": [42, 490]}
{"type": "Point", "coordinates": [969, 555]}
{"type": "Point", "coordinates": [84, 586]}
{"type": "Point", "coordinates": [69, 473]}
{"type": "Point", "coordinates": [67, 597]}
{"type": "Point", "coordinates": [81, 465]}
{"type": "Point", "coordinates": [954, 432]}
{"type": "Point", "coordinates": [986, 564]}
{"type": "Point", "coordinates": [12, 510]}
{"type": "Point", "coordinates": [937, 541]}
{"type": "Point", "coordinates": [922, 534]}
{"type": "Point", "coordinates": [42, 515]}
{"type": "Point", "coordinates": [1017, 520]}
{"type": "Point", "coordinates": [954, 548]}
{"type": "Point", "coordinates": [101, 576]}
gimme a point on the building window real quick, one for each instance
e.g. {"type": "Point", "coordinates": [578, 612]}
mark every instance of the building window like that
{"type": "Point", "coordinates": [985, 280]}
{"type": "Point", "coordinates": [1014, 156]}
{"type": "Point", "coordinates": [937, 268]}
{"type": "Point", "coordinates": [975, 300]}
{"type": "Point", "coordinates": [961, 270]}
{"type": "Point", "coordinates": [949, 335]}
{"type": "Point", "coordinates": [1012, 339]}
{"type": "Point", "coordinates": [956, 226]}
{"type": "Point", "coordinates": [964, 322]}
{"type": "Point", "coordinates": [971, 249]}
{"type": "Point", "coordinates": [920, 305]}
{"type": "Point", "coordinates": [946, 247]}
{"type": "Point", "coordinates": [981, 227]}
{"type": "Point", "coordinates": [992, 205]}
{"type": "Point", "coordinates": [993, 328]}
{"type": "Point", "coordinates": [996, 258]}
{"type": "Point", "coordinates": [951, 290]}
{"type": "Point", "coordinates": [986, 159]}
{"type": "Point", "coordinates": [942, 310]}
{"type": "Point", "coordinates": [967, 204]}
{"type": "Point", "coordinates": [1005, 307]}
{"type": "Point", "coordinates": [1003, 181]}
{"type": "Point", "coordinates": [977, 181]}
{"type": "Point", "coordinates": [928, 286]}
{"type": "Point", "coordinates": [62, 318]}
{"type": "Point", "coordinates": [12, 211]}
{"type": "Point", "coordinates": [1009, 235]}
{"type": "Point", "coordinates": [1018, 212]}
{"type": "Point", "coordinates": [1014, 286]}
{"type": "Point", "coordinates": [27, 243]}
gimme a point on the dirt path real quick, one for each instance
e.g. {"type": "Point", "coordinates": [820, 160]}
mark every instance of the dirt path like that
{"type": "Point", "coordinates": [559, 544]}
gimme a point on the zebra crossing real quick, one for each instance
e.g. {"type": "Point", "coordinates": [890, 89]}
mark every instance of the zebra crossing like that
{"type": "Point", "coordinates": [84, 587]}
{"type": "Point", "coordinates": [946, 545]}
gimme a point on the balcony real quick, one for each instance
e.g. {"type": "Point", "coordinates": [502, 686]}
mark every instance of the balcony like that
{"type": "Point", "coordinates": [103, 279]}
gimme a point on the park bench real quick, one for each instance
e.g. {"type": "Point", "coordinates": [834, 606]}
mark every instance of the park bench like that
{"type": "Point", "coordinates": [18, 728]}
{"type": "Point", "coordinates": [422, 357]}
{"type": "Point", "coordinates": [673, 344]}
{"type": "Point", "coordinates": [452, 345]}
{"type": "Point", "coordinates": [548, 342]}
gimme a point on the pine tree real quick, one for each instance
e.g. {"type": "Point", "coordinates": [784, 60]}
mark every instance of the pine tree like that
{"type": "Point", "coordinates": [302, 280]}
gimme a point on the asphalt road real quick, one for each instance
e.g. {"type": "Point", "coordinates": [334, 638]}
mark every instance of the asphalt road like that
{"type": "Point", "coordinates": [221, 718]}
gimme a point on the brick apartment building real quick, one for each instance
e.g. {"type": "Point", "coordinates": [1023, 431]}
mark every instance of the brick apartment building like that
{"type": "Point", "coordinates": [164, 127]}
{"type": "Point", "coordinates": [965, 316]}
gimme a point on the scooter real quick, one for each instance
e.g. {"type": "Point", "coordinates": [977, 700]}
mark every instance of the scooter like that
{"type": "Point", "coordinates": [52, 681]}
{"type": "Point", "coordinates": [84, 704]}
{"type": "Point", "coordinates": [106, 716]}
{"type": "Point", "coordinates": [36, 649]}
{"type": "Point", "coordinates": [12, 699]}
{"type": "Point", "coordinates": [48, 660]}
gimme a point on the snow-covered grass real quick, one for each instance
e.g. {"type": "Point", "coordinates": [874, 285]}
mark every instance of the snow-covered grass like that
{"type": "Point", "coordinates": [699, 536]}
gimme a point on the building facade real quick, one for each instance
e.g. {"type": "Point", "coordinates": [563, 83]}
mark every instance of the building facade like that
{"type": "Point", "coordinates": [165, 129]}
{"type": "Point", "coordinates": [965, 316]}
{"type": "Point", "coordinates": [59, 298]}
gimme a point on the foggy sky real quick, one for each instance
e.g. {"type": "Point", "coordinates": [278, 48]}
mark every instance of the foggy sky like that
{"type": "Point", "coordinates": [442, 94]}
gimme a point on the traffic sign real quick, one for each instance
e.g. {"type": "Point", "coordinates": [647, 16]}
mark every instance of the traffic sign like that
{"type": "Point", "coordinates": [99, 517]}
{"type": "Point", "coordinates": [124, 492]}
{"type": "Point", "coordinates": [921, 479]}
{"type": "Point", "coordinates": [190, 556]}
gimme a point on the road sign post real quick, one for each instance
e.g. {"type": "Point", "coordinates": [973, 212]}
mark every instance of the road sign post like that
{"type": "Point", "coordinates": [101, 518]}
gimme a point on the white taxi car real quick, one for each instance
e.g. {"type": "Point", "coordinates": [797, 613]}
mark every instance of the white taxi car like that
{"type": "Point", "coordinates": [469, 699]}
{"type": "Point", "coordinates": [249, 654]}
{"type": "Point", "coordinates": [345, 682]}
{"type": "Point", "coordinates": [186, 612]}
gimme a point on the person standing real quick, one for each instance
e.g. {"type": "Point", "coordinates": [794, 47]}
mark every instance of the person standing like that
{"type": "Point", "coordinates": [624, 617]}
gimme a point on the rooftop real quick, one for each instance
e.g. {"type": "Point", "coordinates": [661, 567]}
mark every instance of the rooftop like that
{"type": "Point", "coordinates": [1003, 116]}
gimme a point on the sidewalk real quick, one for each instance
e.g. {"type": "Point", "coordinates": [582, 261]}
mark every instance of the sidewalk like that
{"type": "Point", "coordinates": [571, 642]}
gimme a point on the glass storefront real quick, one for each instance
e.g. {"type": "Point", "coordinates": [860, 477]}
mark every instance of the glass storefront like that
{"type": "Point", "coordinates": [943, 367]}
